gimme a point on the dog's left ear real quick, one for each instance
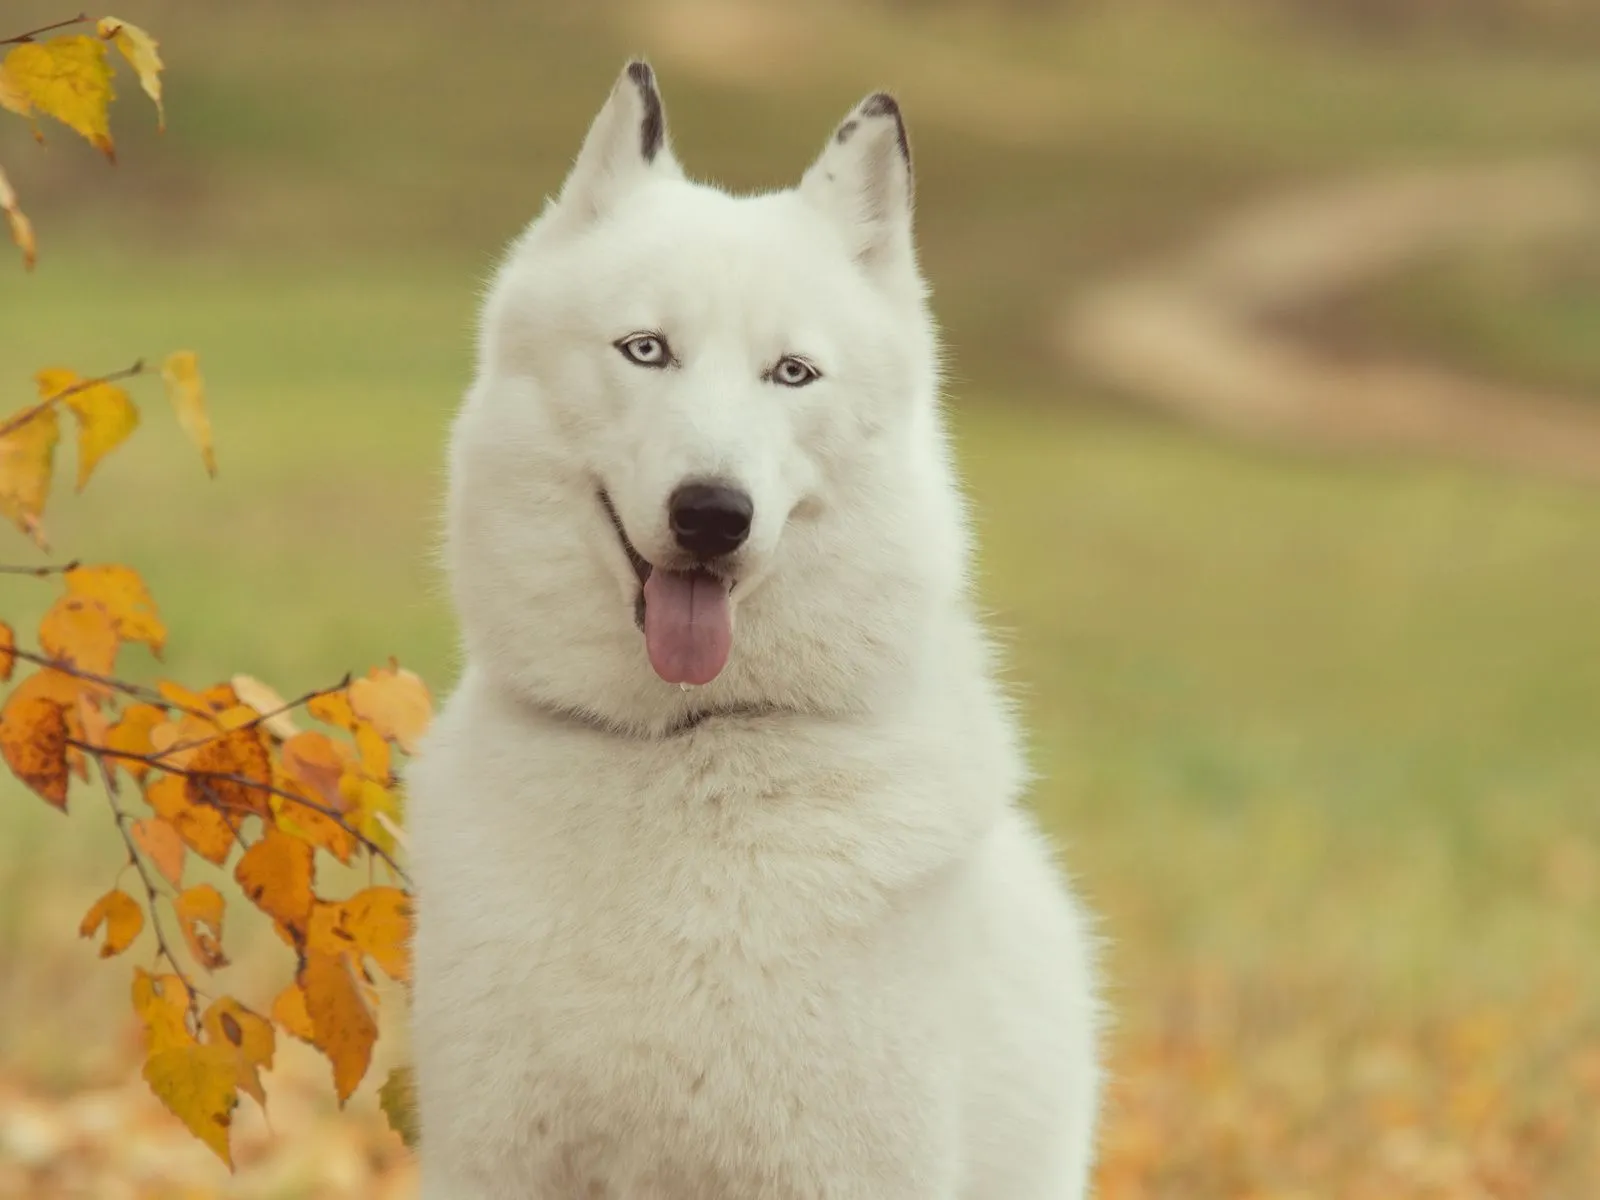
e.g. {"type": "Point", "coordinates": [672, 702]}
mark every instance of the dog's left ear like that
{"type": "Point", "coordinates": [626, 144]}
{"type": "Point", "coordinates": [863, 180]}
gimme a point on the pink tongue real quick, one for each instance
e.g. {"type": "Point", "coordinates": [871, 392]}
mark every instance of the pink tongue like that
{"type": "Point", "coordinates": [687, 627]}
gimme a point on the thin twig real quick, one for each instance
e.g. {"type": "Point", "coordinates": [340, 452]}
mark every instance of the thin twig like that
{"type": "Point", "coordinates": [148, 695]}
{"type": "Point", "coordinates": [41, 572]}
{"type": "Point", "coordinates": [262, 718]}
{"type": "Point", "coordinates": [163, 949]}
{"type": "Point", "coordinates": [22, 418]}
{"type": "Point", "coordinates": [160, 763]}
{"type": "Point", "coordinates": [33, 33]}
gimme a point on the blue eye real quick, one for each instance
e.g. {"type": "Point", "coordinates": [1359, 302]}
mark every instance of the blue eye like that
{"type": "Point", "coordinates": [646, 350]}
{"type": "Point", "coordinates": [792, 371]}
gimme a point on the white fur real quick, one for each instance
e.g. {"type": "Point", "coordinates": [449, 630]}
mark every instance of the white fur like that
{"type": "Point", "coordinates": [812, 947]}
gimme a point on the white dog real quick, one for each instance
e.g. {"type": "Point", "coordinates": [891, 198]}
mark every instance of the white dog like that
{"type": "Point", "coordinates": [724, 887]}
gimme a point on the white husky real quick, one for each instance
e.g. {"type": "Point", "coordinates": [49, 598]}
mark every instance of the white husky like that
{"type": "Point", "coordinates": [724, 888]}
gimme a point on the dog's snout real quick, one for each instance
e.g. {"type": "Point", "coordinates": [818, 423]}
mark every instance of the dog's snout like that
{"type": "Point", "coordinates": [710, 519]}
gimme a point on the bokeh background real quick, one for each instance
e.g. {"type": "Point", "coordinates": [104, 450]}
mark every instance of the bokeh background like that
{"type": "Point", "coordinates": [1274, 332]}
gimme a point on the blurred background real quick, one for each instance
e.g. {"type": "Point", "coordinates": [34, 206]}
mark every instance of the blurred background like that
{"type": "Point", "coordinates": [1274, 332]}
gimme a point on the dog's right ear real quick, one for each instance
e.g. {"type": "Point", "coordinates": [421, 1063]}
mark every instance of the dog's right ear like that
{"type": "Point", "coordinates": [626, 144]}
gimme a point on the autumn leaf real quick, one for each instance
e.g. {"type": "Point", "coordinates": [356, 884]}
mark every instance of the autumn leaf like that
{"type": "Point", "coordinates": [139, 48]}
{"type": "Point", "coordinates": [81, 634]}
{"type": "Point", "coordinates": [317, 763]}
{"type": "Point", "coordinates": [232, 772]}
{"type": "Point", "coordinates": [179, 696]}
{"type": "Point", "coordinates": [229, 1023]}
{"type": "Point", "coordinates": [160, 843]}
{"type": "Point", "coordinates": [161, 1002]}
{"type": "Point", "coordinates": [314, 828]}
{"type": "Point", "coordinates": [276, 874]}
{"type": "Point", "coordinates": [200, 1085]}
{"type": "Point", "coordinates": [368, 803]}
{"type": "Point", "coordinates": [342, 1025]}
{"type": "Point", "coordinates": [264, 700]}
{"type": "Point", "coordinates": [131, 733]}
{"type": "Point", "coordinates": [199, 912]}
{"type": "Point", "coordinates": [105, 412]}
{"type": "Point", "coordinates": [181, 372]}
{"type": "Point", "coordinates": [8, 645]}
{"type": "Point", "coordinates": [13, 98]}
{"type": "Point", "coordinates": [67, 78]}
{"type": "Point", "coordinates": [398, 1099]}
{"type": "Point", "coordinates": [204, 830]}
{"type": "Point", "coordinates": [123, 594]}
{"type": "Point", "coordinates": [333, 708]}
{"type": "Point", "coordinates": [289, 1011]}
{"type": "Point", "coordinates": [120, 914]}
{"type": "Point", "coordinates": [17, 220]}
{"type": "Point", "coordinates": [378, 922]}
{"type": "Point", "coordinates": [27, 456]}
{"type": "Point", "coordinates": [396, 702]}
{"type": "Point", "coordinates": [33, 741]}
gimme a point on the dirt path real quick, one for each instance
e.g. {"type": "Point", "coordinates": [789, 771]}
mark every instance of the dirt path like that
{"type": "Point", "coordinates": [1198, 335]}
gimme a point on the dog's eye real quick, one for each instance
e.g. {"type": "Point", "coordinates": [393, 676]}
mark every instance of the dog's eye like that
{"type": "Point", "coordinates": [793, 372]}
{"type": "Point", "coordinates": [646, 349]}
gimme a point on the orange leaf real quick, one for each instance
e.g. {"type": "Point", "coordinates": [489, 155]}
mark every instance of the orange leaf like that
{"type": "Point", "coordinates": [69, 79]}
{"type": "Point", "coordinates": [333, 708]}
{"type": "Point", "coordinates": [200, 1085]}
{"type": "Point", "coordinates": [16, 219]}
{"type": "Point", "coordinates": [263, 699]}
{"type": "Point", "coordinates": [80, 633]}
{"type": "Point", "coordinates": [161, 845]}
{"type": "Point", "coordinates": [123, 594]}
{"type": "Point", "coordinates": [289, 1011]}
{"type": "Point", "coordinates": [181, 697]}
{"type": "Point", "coordinates": [132, 733]}
{"type": "Point", "coordinates": [316, 762]}
{"type": "Point", "coordinates": [229, 1023]}
{"type": "Point", "coordinates": [33, 740]}
{"type": "Point", "coordinates": [139, 48]}
{"type": "Point", "coordinates": [181, 372]}
{"type": "Point", "coordinates": [106, 415]}
{"type": "Point", "coordinates": [276, 874]}
{"type": "Point", "coordinates": [161, 1003]}
{"type": "Point", "coordinates": [342, 1025]}
{"type": "Point", "coordinates": [204, 830]}
{"type": "Point", "coordinates": [120, 914]}
{"type": "Point", "coordinates": [199, 912]}
{"type": "Point", "coordinates": [27, 457]}
{"type": "Point", "coordinates": [377, 921]}
{"type": "Point", "coordinates": [225, 768]}
{"type": "Point", "coordinates": [396, 702]}
{"type": "Point", "coordinates": [8, 644]}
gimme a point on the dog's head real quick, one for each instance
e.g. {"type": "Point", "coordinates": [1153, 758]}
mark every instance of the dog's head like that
{"type": "Point", "coordinates": [702, 447]}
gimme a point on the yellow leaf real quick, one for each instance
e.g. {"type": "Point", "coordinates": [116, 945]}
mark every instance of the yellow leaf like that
{"type": "Point", "coordinates": [161, 1003]}
{"type": "Point", "coordinates": [33, 741]}
{"type": "Point", "coordinates": [276, 874]}
{"type": "Point", "coordinates": [204, 830]}
{"type": "Point", "coordinates": [396, 702]}
{"type": "Point", "coordinates": [333, 708]}
{"type": "Point", "coordinates": [289, 1011]}
{"type": "Point", "coordinates": [124, 595]}
{"type": "Point", "coordinates": [200, 1085]}
{"type": "Point", "coordinates": [181, 372]}
{"type": "Point", "coordinates": [8, 646]}
{"type": "Point", "coordinates": [80, 633]}
{"type": "Point", "coordinates": [264, 699]}
{"type": "Point", "coordinates": [139, 48]}
{"type": "Point", "coordinates": [398, 1099]}
{"type": "Point", "coordinates": [375, 922]}
{"type": "Point", "coordinates": [229, 1023]}
{"type": "Point", "coordinates": [16, 219]}
{"type": "Point", "coordinates": [342, 1025]}
{"type": "Point", "coordinates": [120, 914]}
{"type": "Point", "coordinates": [199, 912]}
{"type": "Point", "coordinates": [106, 415]}
{"type": "Point", "coordinates": [27, 454]}
{"type": "Point", "coordinates": [317, 763]}
{"type": "Point", "coordinates": [366, 800]}
{"type": "Point", "coordinates": [132, 733]}
{"type": "Point", "coordinates": [12, 97]}
{"type": "Point", "coordinates": [161, 845]}
{"type": "Point", "coordinates": [67, 78]}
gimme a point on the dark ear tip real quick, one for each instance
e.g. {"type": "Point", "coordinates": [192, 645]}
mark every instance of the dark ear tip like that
{"type": "Point", "coordinates": [882, 104]}
{"type": "Point", "coordinates": [643, 77]}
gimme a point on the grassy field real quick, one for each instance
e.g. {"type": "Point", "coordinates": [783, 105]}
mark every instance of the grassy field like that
{"type": "Point", "coordinates": [1317, 736]}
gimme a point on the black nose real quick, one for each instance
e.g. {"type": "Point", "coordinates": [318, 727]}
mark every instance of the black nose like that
{"type": "Point", "coordinates": [710, 519]}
